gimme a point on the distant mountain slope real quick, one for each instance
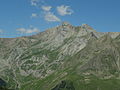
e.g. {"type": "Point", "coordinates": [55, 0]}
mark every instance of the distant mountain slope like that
{"type": "Point", "coordinates": [65, 57]}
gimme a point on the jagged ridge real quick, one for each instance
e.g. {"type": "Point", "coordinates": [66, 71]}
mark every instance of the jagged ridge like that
{"type": "Point", "coordinates": [54, 54]}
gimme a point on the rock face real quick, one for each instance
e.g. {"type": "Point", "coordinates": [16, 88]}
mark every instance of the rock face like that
{"type": "Point", "coordinates": [41, 61]}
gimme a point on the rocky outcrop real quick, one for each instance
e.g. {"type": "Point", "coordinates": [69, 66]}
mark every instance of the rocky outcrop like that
{"type": "Point", "coordinates": [65, 46]}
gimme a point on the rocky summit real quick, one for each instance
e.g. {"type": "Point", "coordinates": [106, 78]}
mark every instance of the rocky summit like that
{"type": "Point", "coordinates": [65, 57]}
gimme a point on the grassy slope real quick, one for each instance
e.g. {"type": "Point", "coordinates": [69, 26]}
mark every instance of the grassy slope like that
{"type": "Point", "coordinates": [71, 73]}
{"type": "Point", "coordinates": [80, 82]}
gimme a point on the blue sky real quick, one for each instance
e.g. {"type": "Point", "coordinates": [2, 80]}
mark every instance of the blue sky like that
{"type": "Point", "coordinates": [27, 17]}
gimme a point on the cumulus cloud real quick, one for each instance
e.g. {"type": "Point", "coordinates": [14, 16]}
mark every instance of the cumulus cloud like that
{"type": "Point", "coordinates": [46, 8]}
{"type": "Point", "coordinates": [1, 31]}
{"type": "Point", "coordinates": [28, 31]}
{"type": "Point", "coordinates": [64, 10]}
{"type": "Point", "coordinates": [34, 2]}
{"type": "Point", "coordinates": [37, 3]}
{"type": "Point", "coordinates": [50, 17]}
{"type": "Point", "coordinates": [34, 15]}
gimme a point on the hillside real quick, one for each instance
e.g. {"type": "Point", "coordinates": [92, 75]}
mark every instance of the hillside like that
{"type": "Point", "coordinates": [65, 57]}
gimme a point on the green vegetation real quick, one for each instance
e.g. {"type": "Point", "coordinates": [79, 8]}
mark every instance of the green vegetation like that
{"type": "Point", "coordinates": [74, 81]}
{"type": "Point", "coordinates": [83, 60]}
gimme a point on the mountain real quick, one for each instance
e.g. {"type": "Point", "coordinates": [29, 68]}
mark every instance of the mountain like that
{"type": "Point", "coordinates": [65, 57]}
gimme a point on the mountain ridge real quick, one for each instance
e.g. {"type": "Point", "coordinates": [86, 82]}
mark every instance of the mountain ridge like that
{"type": "Point", "coordinates": [63, 53]}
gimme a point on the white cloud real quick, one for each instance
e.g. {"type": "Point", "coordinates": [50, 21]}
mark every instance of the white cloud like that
{"type": "Point", "coordinates": [28, 31]}
{"type": "Point", "coordinates": [46, 8]}
{"type": "Point", "coordinates": [47, 12]}
{"type": "Point", "coordinates": [50, 17]}
{"type": "Point", "coordinates": [34, 2]}
{"type": "Point", "coordinates": [1, 31]}
{"type": "Point", "coordinates": [37, 3]}
{"type": "Point", "coordinates": [34, 15]}
{"type": "Point", "coordinates": [64, 10]}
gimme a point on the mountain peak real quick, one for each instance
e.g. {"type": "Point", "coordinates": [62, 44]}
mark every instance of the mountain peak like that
{"type": "Point", "coordinates": [57, 52]}
{"type": "Point", "coordinates": [86, 26]}
{"type": "Point", "coordinates": [65, 23]}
